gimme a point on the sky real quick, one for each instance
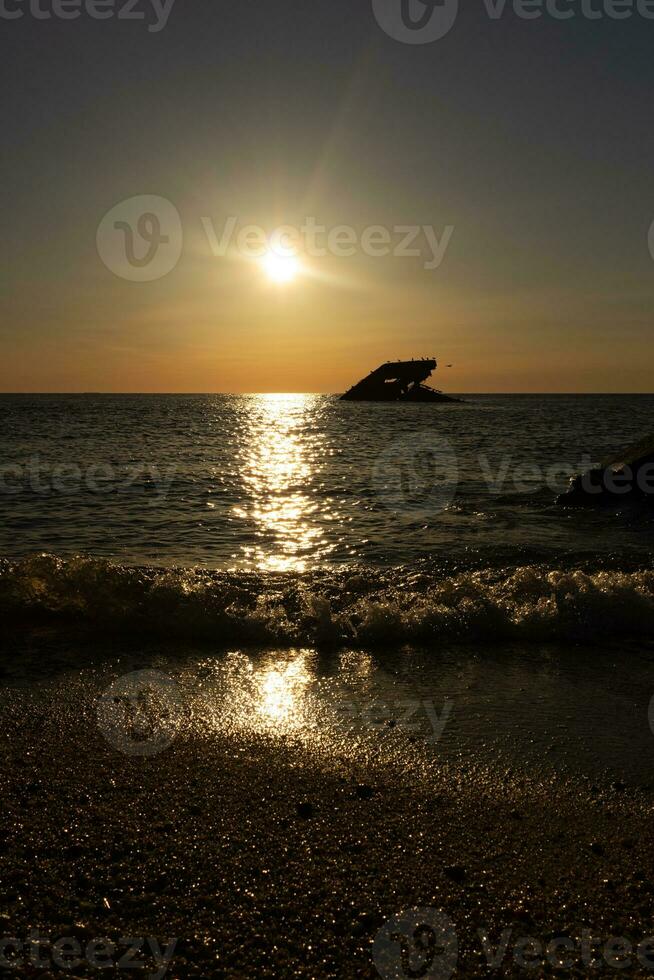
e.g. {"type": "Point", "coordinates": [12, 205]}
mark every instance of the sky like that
{"type": "Point", "coordinates": [523, 146]}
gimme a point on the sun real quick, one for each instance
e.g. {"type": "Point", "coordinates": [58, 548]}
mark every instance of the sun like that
{"type": "Point", "coordinates": [280, 268]}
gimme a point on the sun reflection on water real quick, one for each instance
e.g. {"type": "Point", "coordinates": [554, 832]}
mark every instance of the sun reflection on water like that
{"type": "Point", "coordinates": [282, 455]}
{"type": "Point", "coordinates": [335, 708]}
{"type": "Point", "coordinates": [276, 694]}
{"type": "Point", "coordinates": [281, 693]}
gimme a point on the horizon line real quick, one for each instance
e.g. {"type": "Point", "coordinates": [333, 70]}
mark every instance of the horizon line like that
{"type": "Point", "coordinates": [334, 394]}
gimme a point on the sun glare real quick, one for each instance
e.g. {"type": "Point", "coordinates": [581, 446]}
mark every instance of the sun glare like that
{"type": "Point", "coordinates": [280, 268]}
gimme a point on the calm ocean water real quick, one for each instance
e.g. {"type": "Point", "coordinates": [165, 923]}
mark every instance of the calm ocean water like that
{"type": "Point", "coordinates": [414, 518]}
{"type": "Point", "coordinates": [294, 482]}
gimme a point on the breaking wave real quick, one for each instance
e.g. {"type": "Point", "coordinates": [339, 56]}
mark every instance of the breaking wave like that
{"type": "Point", "coordinates": [366, 607]}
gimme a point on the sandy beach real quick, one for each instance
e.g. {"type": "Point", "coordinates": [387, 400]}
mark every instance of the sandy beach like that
{"type": "Point", "coordinates": [262, 847]}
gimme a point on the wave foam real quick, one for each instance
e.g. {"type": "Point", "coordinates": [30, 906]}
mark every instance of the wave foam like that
{"type": "Point", "coordinates": [364, 607]}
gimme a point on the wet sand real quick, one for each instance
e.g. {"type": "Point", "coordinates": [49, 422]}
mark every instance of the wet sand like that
{"type": "Point", "coordinates": [271, 848]}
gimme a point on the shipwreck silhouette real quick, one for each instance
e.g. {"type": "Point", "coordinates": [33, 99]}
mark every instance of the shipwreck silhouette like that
{"type": "Point", "coordinates": [398, 381]}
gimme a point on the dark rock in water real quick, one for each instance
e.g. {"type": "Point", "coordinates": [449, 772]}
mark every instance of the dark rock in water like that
{"type": "Point", "coordinates": [398, 381]}
{"type": "Point", "coordinates": [305, 810]}
{"type": "Point", "coordinates": [364, 792]}
{"type": "Point", "coordinates": [627, 477]}
{"type": "Point", "coordinates": [456, 872]}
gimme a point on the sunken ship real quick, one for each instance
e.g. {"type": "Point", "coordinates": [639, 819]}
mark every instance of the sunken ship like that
{"type": "Point", "coordinates": [398, 381]}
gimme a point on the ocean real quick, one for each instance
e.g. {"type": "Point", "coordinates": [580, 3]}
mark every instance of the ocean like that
{"type": "Point", "coordinates": [302, 519]}
{"type": "Point", "coordinates": [306, 664]}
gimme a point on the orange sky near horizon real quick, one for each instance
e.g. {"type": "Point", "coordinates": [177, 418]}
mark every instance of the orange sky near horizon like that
{"type": "Point", "coordinates": [218, 321]}
{"type": "Point", "coordinates": [307, 337]}
{"type": "Point", "coordinates": [220, 325]}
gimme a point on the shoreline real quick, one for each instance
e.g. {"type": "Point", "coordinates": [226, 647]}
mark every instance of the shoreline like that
{"type": "Point", "coordinates": [268, 849]}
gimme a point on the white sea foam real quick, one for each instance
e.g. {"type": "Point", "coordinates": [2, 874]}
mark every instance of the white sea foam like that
{"type": "Point", "coordinates": [366, 607]}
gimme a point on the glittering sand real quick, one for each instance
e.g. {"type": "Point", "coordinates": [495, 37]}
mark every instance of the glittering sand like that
{"type": "Point", "coordinates": [271, 844]}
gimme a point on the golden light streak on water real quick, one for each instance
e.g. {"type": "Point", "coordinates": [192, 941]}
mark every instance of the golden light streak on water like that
{"type": "Point", "coordinates": [282, 456]}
